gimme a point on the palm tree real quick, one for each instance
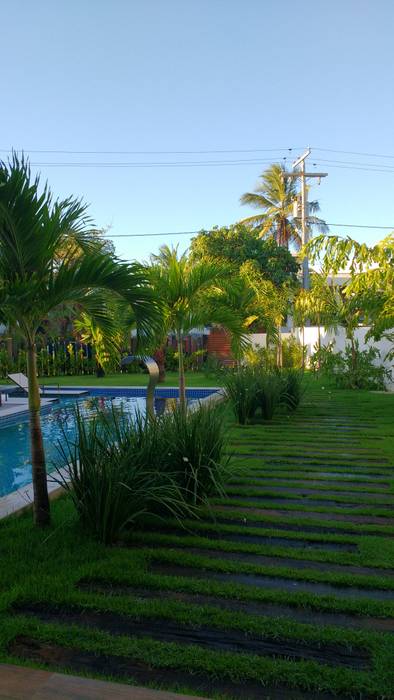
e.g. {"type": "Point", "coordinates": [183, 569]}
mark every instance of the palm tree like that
{"type": "Point", "coordinates": [192, 295]}
{"type": "Point", "coordinates": [34, 281]}
{"type": "Point", "coordinates": [275, 196]}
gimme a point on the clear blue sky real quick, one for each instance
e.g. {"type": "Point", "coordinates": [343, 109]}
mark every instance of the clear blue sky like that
{"type": "Point", "coordinates": [177, 75]}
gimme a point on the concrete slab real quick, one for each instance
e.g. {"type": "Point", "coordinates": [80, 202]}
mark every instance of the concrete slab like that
{"type": "Point", "coordinates": [15, 406]}
{"type": "Point", "coordinates": [20, 683]}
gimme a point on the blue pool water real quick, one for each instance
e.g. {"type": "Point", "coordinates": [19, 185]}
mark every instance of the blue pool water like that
{"type": "Point", "coordinates": [15, 465]}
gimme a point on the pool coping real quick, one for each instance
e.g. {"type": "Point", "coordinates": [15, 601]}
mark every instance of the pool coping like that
{"type": "Point", "coordinates": [20, 500]}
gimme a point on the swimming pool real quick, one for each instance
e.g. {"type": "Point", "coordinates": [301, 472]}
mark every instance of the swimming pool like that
{"type": "Point", "coordinates": [58, 419]}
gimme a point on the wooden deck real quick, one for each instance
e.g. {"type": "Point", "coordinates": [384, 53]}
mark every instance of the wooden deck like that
{"type": "Point", "coordinates": [20, 683]}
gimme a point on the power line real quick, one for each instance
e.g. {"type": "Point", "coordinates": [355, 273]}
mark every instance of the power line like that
{"type": "Point", "coordinates": [148, 235]}
{"type": "Point", "coordinates": [194, 233]}
{"type": "Point", "coordinates": [378, 169]}
{"type": "Point", "coordinates": [173, 164]}
{"type": "Point", "coordinates": [388, 228]}
{"type": "Point", "coordinates": [354, 153]}
{"type": "Point", "coordinates": [203, 152]}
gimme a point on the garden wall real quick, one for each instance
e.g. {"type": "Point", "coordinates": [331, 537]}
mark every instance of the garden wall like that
{"type": "Point", "coordinates": [309, 338]}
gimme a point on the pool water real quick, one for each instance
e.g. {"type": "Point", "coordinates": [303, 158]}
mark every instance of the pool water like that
{"type": "Point", "coordinates": [57, 422]}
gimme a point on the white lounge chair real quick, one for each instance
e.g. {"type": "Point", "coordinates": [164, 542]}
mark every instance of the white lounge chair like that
{"type": "Point", "coordinates": [22, 381]}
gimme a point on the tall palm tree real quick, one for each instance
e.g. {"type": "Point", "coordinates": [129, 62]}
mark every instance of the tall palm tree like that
{"type": "Point", "coordinates": [34, 281]}
{"type": "Point", "coordinates": [192, 295]}
{"type": "Point", "coordinates": [274, 196]}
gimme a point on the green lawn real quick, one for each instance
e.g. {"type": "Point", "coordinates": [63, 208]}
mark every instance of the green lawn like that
{"type": "Point", "coordinates": [193, 379]}
{"type": "Point", "coordinates": [287, 583]}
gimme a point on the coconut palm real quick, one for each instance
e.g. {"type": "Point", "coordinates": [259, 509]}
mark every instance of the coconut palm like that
{"type": "Point", "coordinates": [34, 281]}
{"type": "Point", "coordinates": [193, 295]}
{"type": "Point", "coordinates": [274, 196]}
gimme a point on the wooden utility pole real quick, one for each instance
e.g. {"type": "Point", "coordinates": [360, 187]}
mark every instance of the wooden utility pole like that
{"type": "Point", "coordinates": [300, 163]}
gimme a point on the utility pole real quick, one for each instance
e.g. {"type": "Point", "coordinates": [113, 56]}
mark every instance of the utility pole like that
{"type": "Point", "coordinates": [304, 207]}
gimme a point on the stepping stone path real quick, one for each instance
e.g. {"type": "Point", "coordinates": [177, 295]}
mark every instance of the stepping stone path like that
{"type": "Point", "coordinates": [284, 578]}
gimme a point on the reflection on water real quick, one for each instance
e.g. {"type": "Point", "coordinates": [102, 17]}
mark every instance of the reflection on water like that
{"type": "Point", "coordinates": [15, 465]}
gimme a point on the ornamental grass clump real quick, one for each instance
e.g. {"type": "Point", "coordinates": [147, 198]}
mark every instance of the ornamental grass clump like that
{"type": "Point", "coordinates": [292, 388]}
{"type": "Point", "coordinates": [113, 474]}
{"type": "Point", "coordinates": [196, 451]}
{"type": "Point", "coordinates": [121, 469]}
{"type": "Point", "coordinates": [269, 393]}
{"type": "Point", "coordinates": [240, 389]}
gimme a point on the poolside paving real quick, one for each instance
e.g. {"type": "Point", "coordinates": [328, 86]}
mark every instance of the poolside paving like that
{"type": "Point", "coordinates": [20, 683]}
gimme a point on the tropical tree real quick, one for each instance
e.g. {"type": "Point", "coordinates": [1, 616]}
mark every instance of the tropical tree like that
{"type": "Point", "coordinates": [322, 305]}
{"type": "Point", "coordinates": [368, 296]}
{"type": "Point", "coordinates": [34, 281]}
{"type": "Point", "coordinates": [238, 244]}
{"type": "Point", "coordinates": [192, 295]}
{"type": "Point", "coordinates": [272, 304]}
{"type": "Point", "coordinates": [274, 196]}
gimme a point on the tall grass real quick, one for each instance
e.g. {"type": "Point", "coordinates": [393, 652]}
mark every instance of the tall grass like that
{"type": "Point", "coordinates": [121, 469]}
{"type": "Point", "coordinates": [292, 387]}
{"type": "Point", "coordinates": [251, 388]}
{"type": "Point", "coordinates": [240, 389]}
{"type": "Point", "coordinates": [196, 443]}
{"type": "Point", "coordinates": [269, 391]}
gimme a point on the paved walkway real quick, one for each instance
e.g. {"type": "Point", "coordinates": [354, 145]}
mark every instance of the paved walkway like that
{"type": "Point", "coordinates": [19, 683]}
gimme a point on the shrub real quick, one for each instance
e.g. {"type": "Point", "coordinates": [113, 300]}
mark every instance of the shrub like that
{"type": "Point", "coordinates": [171, 359]}
{"type": "Point", "coordinates": [114, 478]}
{"type": "Point", "coordinates": [292, 389]}
{"type": "Point", "coordinates": [261, 358]}
{"type": "Point", "coordinates": [352, 369]}
{"type": "Point", "coordinates": [293, 353]}
{"type": "Point", "coordinates": [196, 444]}
{"type": "Point", "coordinates": [269, 391]}
{"type": "Point", "coordinates": [121, 469]}
{"type": "Point", "coordinates": [240, 389]}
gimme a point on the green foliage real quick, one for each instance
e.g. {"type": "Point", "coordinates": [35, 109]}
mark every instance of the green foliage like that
{"type": "Point", "coordinates": [293, 353]}
{"type": "Point", "coordinates": [292, 387]}
{"type": "Point", "coordinates": [351, 369]}
{"type": "Point", "coordinates": [269, 392]}
{"type": "Point", "coordinates": [196, 442]}
{"type": "Point", "coordinates": [371, 283]}
{"type": "Point", "coordinates": [115, 475]}
{"type": "Point", "coordinates": [240, 389]}
{"type": "Point", "coordinates": [261, 358]}
{"type": "Point", "coordinates": [122, 469]}
{"type": "Point", "coordinates": [239, 244]}
{"type": "Point", "coordinates": [254, 387]}
{"type": "Point", "coordinates": [274, 196]}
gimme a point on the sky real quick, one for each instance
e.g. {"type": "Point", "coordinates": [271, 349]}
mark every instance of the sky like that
{"type": "Point", "coordinates": [133, 91]}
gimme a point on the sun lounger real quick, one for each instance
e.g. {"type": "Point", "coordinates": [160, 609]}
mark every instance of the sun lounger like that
{"type": "Point", "coordinates": [22, 382]}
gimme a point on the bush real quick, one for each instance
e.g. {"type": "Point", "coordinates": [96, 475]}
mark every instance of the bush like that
{"type": "Point", "coordinates": [352, 369]}
{"type": "Point", "coordinates": [196, 445]}
{"type": "Point", "coordinates": [261, 358]}
{"type": "Point", "coordinates": [293, 353]}
{"type": "Point", "coordinates": [240, 389]}
{"type": "Point", "coordinates": [292, 388]}
{"type": "Point", "coordinates": [171, 359]}
{"type": "Point", "coordinates": [250, 388]}
{"type": "Point", "coordinates": [114, 479]}
{"type": "Point", "coordinates": [269, 391]}
{"type": "Point", "coordinates": [121, 469]}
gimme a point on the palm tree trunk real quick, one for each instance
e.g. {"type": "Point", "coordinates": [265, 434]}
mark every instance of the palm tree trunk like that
{"type": "Point", "coordinates": [181, 371]}
{"type": "Point", "coordinates": [279, 353]}
{"type": "Point", "coordinates": [39, 475]}
{"type": "Point", "coordinates": [318, 338]}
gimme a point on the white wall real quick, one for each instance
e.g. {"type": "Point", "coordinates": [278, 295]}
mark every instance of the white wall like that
{"type": "Point", "coordinates": [309, 338]}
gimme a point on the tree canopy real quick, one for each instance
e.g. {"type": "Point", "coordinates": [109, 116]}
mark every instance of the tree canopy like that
{"type": "Point", "coordinates": [238, 244]}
